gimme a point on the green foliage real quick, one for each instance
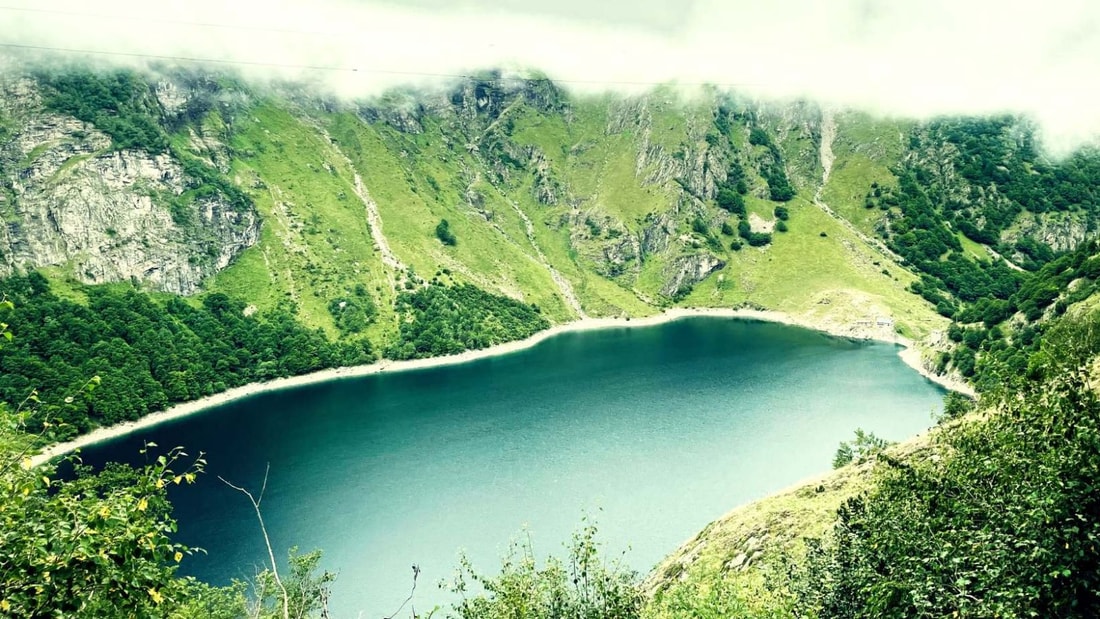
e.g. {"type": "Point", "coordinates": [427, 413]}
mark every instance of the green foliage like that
{"type": "Point", "coordinates": [955, 405]}
{"type": "Point", "coordinates": [771, 167]}
{"type": "Point", "coordinates": [445, 320]}
{"type": "Point", "coordinates": [781, 226]}
{"type": "Point", "coordinates": [94, 546]}
{"type": "Point", "coordinates": [353, 313]}
{"type": "Point", "coordinates": [1002, 519]}
{"type": "Point", "coordinates": [754, 239]}
{"type": "Point", "coordinates": [759, 137]}
{"type": "Point", "coordinates": [782, 213]}
{"type": "Point", "coordinates": [148, 354]}
{"type": "Point", "coordinates": [731, 201]}
{"type": "Point", "coordinates": [307, 589]}
{"type": "Point", "coordinates": [206, 181]}
{"type": "Point", "coordinates": [725, 597]}
{"type": "Point", "coordinates": [728, 229]}
{"type": "Point", "coordinates": [444, 234]}
{"type": "Point", "coordinates": [865, 445]}
{"type": "Point", "coordinates": [699, 226]}
{"type": "Point", "coordinates": [583, 586]}
{"type": "Point", "coordinates": [119, 103]}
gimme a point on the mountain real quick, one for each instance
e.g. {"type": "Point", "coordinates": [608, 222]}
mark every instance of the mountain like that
{"type": "Point", "coordinates": [506, 186]}
{"type": "Point", "coordinates": [177, 231]}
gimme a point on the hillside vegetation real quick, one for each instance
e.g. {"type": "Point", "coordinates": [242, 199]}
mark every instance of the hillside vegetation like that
{"type": "Point", "coordinates": [173, 233]}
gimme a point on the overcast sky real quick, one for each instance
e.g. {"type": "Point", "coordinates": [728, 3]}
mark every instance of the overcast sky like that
{"type": "Point", "coordinates": [913, 57]}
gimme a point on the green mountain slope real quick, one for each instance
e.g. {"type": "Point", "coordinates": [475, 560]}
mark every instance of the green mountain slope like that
{"type": "Point", "coordinates": [178, 232]}
{"type": "Point", "coordinates": [575, 206]}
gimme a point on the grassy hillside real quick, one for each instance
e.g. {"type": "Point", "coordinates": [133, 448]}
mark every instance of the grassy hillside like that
{"type": "Point", "coordinates": [595, 206]}
{"type": "Point", "coordinates": [577, 206]}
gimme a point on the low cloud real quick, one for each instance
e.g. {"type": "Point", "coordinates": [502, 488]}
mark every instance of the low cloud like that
{"type": "Point", "coordinates": [914, 58]}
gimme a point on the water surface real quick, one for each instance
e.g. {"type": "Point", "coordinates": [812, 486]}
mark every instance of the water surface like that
{"type": "Point", "coordinates": [653, 431]}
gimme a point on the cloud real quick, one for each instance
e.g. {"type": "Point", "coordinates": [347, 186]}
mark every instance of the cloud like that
{"type": "Point", "coordinates": [912, 58]}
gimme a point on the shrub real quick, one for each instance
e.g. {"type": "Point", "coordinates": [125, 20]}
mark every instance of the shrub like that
{"type": "Point", "coordinates": [582, 586]}
{"type": "Point", "coordinates": [444, 234]}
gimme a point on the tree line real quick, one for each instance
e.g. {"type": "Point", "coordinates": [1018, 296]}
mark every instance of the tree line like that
{"type": "Point", "coordinates": [147, 352]}
{"type": "Point", "coordinates": [444, 320]}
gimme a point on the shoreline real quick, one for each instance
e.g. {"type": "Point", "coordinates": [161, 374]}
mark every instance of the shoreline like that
{"type": "Point", "coordinates": [910, 355]}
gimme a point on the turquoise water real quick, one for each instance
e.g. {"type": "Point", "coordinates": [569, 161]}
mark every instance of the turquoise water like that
{"type": "Point", "coordinates": [652, 431]}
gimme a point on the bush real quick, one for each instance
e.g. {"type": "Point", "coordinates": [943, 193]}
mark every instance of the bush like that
{"type": "Point", "coordinates": [781, 226]}
{"type": "Point", "coordinates": [1000, 518]}
{"type": "Point", "coordinates": [731, 201]}
{"type": "Point", "coordinates": [865, 445]}
{"type": "Point", "coordinates": [759, 137]}
{"type": "Point", "coordinates": [444, 234]}
{"type": "Point", "coordinates": [782, 213]}
{"type": "Point", "coordinates": [582, 586]}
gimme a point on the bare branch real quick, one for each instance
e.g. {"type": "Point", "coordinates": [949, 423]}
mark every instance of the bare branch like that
{"type": "Point", "coordinates": [267, 540]}
{"type": "Point", "coordinates": [416, 573]}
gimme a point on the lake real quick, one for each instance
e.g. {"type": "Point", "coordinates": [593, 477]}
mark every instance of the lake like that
{"type": "Point", "coordinates": [653, 432]}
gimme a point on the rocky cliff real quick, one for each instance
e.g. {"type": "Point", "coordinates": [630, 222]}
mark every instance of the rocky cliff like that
{"type": "Point", "coordinates": [105, 214]}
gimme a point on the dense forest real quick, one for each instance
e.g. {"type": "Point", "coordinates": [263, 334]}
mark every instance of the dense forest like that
{"type": "Point", "coordinates": [144, 353]}
{"type": "Point", "coordinates": [445, 320]}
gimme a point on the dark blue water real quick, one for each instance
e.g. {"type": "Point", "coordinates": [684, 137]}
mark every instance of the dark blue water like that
{"type": "Point", "coordinates": [653, 431]}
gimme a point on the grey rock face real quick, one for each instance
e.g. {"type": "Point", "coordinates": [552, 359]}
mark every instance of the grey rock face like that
{"type": "Point", "coordinates": [106, 215]}
{"type": "Point", "coordinates": [689, 270]}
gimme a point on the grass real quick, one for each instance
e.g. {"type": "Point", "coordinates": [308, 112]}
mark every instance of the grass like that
{"type": "Point", "coordinates": [744, 553]}
{"type": "Point", "coordinates": [866, 149]}
{"type": "Point", "coordinates": [314, 244]}
{"type": "Point", "coordinates": [833, 279]}
{"type": "Point", "coordinates": [972, 249]}
{"type": "Point", "coordinates": [492, 250]}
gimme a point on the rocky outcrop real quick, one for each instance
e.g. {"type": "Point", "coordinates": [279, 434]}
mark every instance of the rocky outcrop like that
{"type": "Point", "coordinates": [1060, 231]}
{"type": "Point", "coordinates": [658, 233]}
{"type": "Point", "coordinates": [694, 165]}
{"type": "Point", "coordinates": [685, 271]}
{"type": "Point", "coordinates": [107, 215]}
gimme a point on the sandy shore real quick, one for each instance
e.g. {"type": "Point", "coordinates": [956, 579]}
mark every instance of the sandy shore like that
{"type": "Point", "coordinates": [910, 355]}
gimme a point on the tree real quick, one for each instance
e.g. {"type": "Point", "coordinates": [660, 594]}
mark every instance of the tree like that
{"type": "Point", "coordinates": [731, 201]}
{"type": "Point", "coordinates": [98, 545]}
{"type": "Point", "coordinates": [865, 445]}
{"type": "Point", "coordinates": [444, 234]}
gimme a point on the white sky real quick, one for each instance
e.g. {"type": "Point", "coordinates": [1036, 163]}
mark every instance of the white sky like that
{"type": "Point", "coordinates": [912, 58]}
